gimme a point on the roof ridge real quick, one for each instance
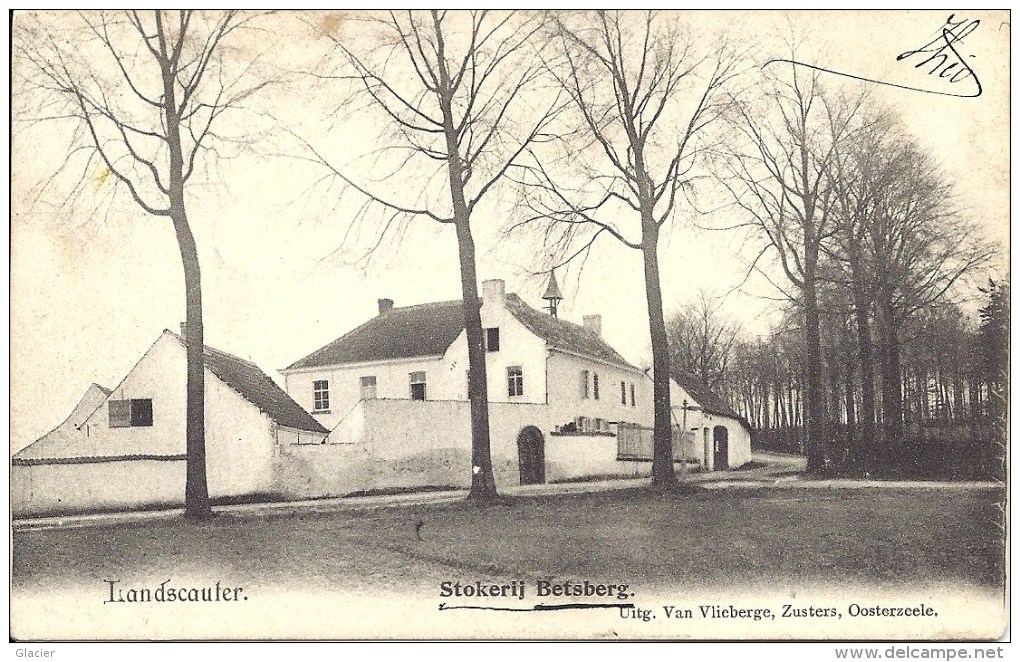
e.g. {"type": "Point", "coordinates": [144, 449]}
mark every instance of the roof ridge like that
{"type": "Point", "coordinates": [426, 304]}
{"type": "Point", "coordinates": [599, 348]}
{"type": "Point", "coordinates": [212, 350]}
{"type": "Point", "coordinates": [558, 320]}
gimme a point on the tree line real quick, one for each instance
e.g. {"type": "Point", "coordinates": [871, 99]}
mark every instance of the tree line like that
{"type": "Point", "coordinates": [870, 248]}
{"type": "Point", "coordinates": [953, 380]}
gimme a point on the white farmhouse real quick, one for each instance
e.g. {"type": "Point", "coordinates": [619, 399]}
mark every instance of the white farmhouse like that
{"type": "Point", "coordinates": [420, 353]}
{"type": "Point", "coordinates": [125, 448]}
{"type": "Point", "coordinates": [394, 394]}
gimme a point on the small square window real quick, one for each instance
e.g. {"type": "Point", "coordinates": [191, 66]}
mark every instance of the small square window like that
{"type": "Point", "coordinates": [135, 413]}
{"type": "Point", "coordinates": [515, 380]}
{"type": "Point", "coordinates": [492, 339]}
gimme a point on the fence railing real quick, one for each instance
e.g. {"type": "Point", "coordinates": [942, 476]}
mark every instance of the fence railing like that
{"type": "Point", "coordinates": [636, 442]}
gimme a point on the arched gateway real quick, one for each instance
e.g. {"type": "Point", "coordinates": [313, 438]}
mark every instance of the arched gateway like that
{"type": "Point", "coordinates": [531, 455]}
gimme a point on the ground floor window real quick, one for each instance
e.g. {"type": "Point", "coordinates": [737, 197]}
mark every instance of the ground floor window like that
{"type": "Point", "coordinates": [417, 385]}
{"type": "Point", "coordinates": [515, 380]}
{"type": "Point", "coordinates": [130, 413]}
{"type": "Point", "coordinates": [320, 390]}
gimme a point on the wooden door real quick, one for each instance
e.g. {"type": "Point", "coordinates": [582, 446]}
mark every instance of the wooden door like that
{"type": "Point", "coordinates": [531, 455]}
{"type": "Point", "coordinates": [722, 452]}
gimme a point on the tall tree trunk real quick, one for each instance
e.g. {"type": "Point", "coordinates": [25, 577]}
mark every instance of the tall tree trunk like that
{"type": "Point", "coordinates": [850, 404]}
{"type": "Point", "coordinates": [196, 490]}
{"type": "Point", "coordinates": [663, 471]}
{"type": "Point", "coordinates": [866, 416]}
{"type": "Point", "coordinates": [483, 481]}
{"type": "Point", "coordinates": [892, 384]}
{"type": "Point", "coordinates": [196, 487]}
{"type": "Point", "coordinates": [814, 397]}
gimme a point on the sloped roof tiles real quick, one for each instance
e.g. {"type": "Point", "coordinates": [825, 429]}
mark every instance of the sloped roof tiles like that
{"type": "Point", "coordinates": [429, 329]}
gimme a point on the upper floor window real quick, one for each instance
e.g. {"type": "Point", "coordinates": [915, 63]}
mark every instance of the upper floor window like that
{"type": "Point", "coordinates": [595, 385]}
{"type": "Point", "coordinates": [320, 391]}
{"type": "Point", "coordinates": [515, 380]}
{"type": "Point", "coordinates": [417, 385]}
{"type": "Point", "coordinates": [130, 413]}
{"type": "Point", "coordinates": [492, 339]}
{"type": "Point", "coordinates": [584, 384]}
{"type": "Point", "coordinates": [632, 401]}
{"type": "Point", "coordinates": [368, 387]}
{"type": "Point", "coordinates": [623, 392]}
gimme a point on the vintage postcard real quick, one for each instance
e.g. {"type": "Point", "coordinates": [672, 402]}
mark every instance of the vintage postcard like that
{"type": "Point", "coordinates": [510, 325]}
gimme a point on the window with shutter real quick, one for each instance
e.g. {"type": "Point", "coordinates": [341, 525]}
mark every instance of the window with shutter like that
{"type": "Point", "coordinates": [136, 413]}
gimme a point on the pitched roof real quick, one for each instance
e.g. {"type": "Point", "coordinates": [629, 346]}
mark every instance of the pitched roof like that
{"type": "Point", "coordinates": [708, 399]}
{"type": "Point", "coordinates": [564, 335]}
{"type": "Point", "coordinates": [426, 329]}
{"type": "Point", "coordinates": [65, 440]}
{"type": "Point", "coordinates": [258, 388]}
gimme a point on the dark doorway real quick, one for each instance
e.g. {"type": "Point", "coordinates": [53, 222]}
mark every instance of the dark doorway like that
{"type": "Point", "coordinates": [722, 451]}
{"type": "Point", "coordinates": [531, 454]}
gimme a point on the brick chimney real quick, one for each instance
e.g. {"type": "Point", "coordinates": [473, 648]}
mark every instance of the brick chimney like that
{"type": "Point", "coordinates": [493, 293]}
{"type": "Point", "coordinates": [385, 305]}
{"type": "Point", "coordinates": [594, 323]}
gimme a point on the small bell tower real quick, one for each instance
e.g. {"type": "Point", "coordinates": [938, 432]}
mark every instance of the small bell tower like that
{"type": "Point", "coordinates": [552, 295]}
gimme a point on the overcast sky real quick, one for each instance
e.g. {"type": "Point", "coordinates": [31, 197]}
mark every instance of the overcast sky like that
{"type": "Point", "coordinates": [89, 295]}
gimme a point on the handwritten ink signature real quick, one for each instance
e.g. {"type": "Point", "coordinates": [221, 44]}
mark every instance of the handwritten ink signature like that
{"type": "Point", "coordinates": [943, 57]}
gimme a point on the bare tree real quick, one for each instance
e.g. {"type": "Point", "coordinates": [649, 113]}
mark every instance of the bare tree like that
{"type": "Point", "coordinates": [456, 93]}
{"type": "Point", "coordinates": [701, 340]}
{"type": "Point", "coordinates": [777, 177]}
{"type": "Point", "coordinates": [142, 92]}
{"type": "Point", "coordinates": [643, 96]}
{"type": "Point", "coordinates": [920, 247]}
{"type": "Point", "coordinates": [859, 179]}
{"type": "Point", "coordinates": [898, 248]}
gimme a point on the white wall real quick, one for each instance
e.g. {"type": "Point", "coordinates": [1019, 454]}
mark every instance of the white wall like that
{"type": "Point", "coordinates": [239, 438]}
{"type": "Point", "coordinates": [403, 443]}
{"type": "Point", "coordinates": [43, 489]}
{"type": "Point", "coordinates": [517, 347]}
{"type": "Point", "coordinates": [738, 437]}
{"type": "Point", "coordinates": [572, 457]}
{"type": "Point", "coordinates": [566, 395]}
{"type": "Point", "coordinates": [392, 381]}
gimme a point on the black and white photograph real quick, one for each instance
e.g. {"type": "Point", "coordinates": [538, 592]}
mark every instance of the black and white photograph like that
{"type": "Point", "coordinates": [511, 325]}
